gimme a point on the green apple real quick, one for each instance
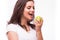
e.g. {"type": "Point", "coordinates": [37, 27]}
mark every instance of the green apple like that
{"type": "Point", "coordinates": [38, 18]}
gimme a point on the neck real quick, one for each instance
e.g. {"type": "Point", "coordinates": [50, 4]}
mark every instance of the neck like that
{"type": "Point", "coordinates": [25, 24]}
{"type": "Point", "coordinates": [23, 21]}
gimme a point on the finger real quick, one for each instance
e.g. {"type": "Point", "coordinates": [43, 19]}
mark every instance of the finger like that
{"type": "Point", "coordinates": [35, 22]}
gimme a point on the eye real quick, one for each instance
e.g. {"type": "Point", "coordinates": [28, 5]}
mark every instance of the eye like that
{"type": "Point", "coordinates": [28, 7]}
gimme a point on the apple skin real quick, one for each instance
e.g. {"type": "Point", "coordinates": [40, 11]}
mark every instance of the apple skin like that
{"type": "Point", "coordinates": [38, 18]}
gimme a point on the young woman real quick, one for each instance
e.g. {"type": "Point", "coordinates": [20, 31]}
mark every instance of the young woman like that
{"type": "Point", "coordinates": [19, 27]}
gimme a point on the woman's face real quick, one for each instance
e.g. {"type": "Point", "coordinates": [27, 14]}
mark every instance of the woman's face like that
{"type": "Point", "coordinates": [29, 11]}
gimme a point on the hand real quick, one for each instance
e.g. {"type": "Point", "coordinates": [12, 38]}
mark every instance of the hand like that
{"type": "Point", "coordinates": [38, 24]}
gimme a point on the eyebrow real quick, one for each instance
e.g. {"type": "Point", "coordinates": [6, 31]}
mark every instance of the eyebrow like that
{"type": "Point", "coordinates": [30, 6]}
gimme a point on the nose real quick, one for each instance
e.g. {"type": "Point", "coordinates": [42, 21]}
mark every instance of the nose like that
{"type": "Point", "coordinates": [32, 10]}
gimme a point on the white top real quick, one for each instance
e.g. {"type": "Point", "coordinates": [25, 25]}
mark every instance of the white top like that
{"type": "Point", "coordinates": [22, 34]}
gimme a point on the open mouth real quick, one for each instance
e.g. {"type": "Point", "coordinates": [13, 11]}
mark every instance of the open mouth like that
{"type": "Point", "coordinates": [31, 14]}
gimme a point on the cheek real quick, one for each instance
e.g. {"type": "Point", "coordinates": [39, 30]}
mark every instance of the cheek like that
{"type": "Point", "coordinates": [26, 11]}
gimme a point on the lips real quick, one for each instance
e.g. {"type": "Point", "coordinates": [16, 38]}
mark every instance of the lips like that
{"type": "Point", "coordinates": [31, 14]}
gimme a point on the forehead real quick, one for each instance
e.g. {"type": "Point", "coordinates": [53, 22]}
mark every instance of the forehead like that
{"type": "Point", "coordinates": [30, 3]}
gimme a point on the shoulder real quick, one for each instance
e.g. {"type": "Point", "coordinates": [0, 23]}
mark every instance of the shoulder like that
{"type": "Point", "coordinates": [12, 27]}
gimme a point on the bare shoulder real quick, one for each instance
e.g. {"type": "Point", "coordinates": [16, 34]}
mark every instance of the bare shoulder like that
{"type": "Point", "coordinates": [12, 35]}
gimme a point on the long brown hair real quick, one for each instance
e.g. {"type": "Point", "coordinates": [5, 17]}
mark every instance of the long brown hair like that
{"type": "Point", "coordinates": [18, 12]}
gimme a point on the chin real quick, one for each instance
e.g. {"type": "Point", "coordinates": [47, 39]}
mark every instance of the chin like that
{"type": "Point", "coordinates": [30, 20]}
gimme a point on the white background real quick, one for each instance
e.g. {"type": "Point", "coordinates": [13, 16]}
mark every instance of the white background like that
{"type": "Point", "coordinates": [47, 9]}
